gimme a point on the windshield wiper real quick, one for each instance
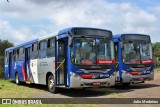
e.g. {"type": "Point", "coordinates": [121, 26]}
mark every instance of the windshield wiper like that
{"type": "Point", "coordinates": [83, 37]}
{"type": "Point", "coordinates": [102, 41]}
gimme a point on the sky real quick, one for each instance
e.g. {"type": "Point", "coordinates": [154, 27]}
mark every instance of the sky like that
{"type": "Point", "coordinates": [23, 20]}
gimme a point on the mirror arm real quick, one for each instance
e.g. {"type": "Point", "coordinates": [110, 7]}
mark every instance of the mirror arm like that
{"type": "Point", "coordinates": [70, 39]}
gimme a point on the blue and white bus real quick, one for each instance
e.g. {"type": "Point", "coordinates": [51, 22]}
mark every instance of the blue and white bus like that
{"type": "Point", "coordinates": [74, 58]}
{"type": "Point", "coordinates": [133, 53]}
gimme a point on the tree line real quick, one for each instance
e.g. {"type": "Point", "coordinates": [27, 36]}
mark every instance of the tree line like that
{"type": "Point", "coordinates": [156, 53]}
{"type": "Point", "coordinates": [3, 45]}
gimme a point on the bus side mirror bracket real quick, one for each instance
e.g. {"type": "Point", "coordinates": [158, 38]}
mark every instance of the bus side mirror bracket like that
{"type": "Point", "coordinates": [70, 39]}
{"type": "Point", "coordinates": [122, 47]}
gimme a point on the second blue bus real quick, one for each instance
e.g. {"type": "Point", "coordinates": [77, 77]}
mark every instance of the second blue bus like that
{"type": "Point", "coordinates": [134, 58]}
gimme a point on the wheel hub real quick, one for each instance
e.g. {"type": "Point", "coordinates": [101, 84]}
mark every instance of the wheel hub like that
{"type": "Point", "coordinates": [51, 83]}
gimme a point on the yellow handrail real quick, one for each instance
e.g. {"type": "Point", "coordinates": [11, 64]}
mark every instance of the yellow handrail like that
{"type": "Point", "coordinates": [60, 64]}
{"type": "Point", "coordinates": [117, 65]}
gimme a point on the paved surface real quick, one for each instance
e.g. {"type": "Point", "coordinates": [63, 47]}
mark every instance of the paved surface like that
{"type": "Point", "coordinates": [149, 89]}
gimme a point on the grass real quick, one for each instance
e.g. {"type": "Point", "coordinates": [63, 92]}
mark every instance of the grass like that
{"type": "Point", "coordinates": [157, 70]}
{"type": "Point", "coordinates": [8, 89]}
{"type": "Point", "coordinates": [117, 95]}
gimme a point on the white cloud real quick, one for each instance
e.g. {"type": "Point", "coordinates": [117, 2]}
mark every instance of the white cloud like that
{"type": "Point", "coordinates": [118, 17]}
{"type": "Point", "coordinates": [139, 21]}
{"type": "Point", "coordinates": [7, 32]}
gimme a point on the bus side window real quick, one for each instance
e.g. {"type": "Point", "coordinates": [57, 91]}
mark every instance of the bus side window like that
{"type": "Point", "coordinates": [34, 51]}
{"type": "Point", "coordinates": [51, 48]}
{"type": "Point", "coordinates": [14, 55]}
{"type": "Point", "coordinates": [17, 55]}
{"type": "Point", "coordinates": [42, 49]}
{"type": "Point", "coordinates": [21, 51]}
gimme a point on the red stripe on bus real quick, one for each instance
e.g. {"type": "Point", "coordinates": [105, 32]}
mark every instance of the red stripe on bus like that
{"type": "Point", "coordinates": [24, 74]}
{"type": "Point", "coordinates": [103, 61]}
{"type": "Point", "coordinates": [149, 61]}
{"type": "Point", "coordinates": [86, 76]}
{"type": "Point", "coordinates": [134, 72]}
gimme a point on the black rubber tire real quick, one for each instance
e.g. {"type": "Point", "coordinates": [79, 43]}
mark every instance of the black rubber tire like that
{"type": "Point", "coordinates": [83, 89]}
{"type": "Point", "coordinates": [51, 84]}
{"type": "Point", "coordinates": [17, 81]}
{"type": "Point", "coordinates": [126, 84]}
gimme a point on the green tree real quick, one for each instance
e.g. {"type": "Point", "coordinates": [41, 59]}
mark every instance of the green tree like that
{"type": "Point", "coordinates": [3, 45]}
{"type": "Point", "coordinates": [156, 53]}
{"type": "Point", "coordinates": [156, 48]}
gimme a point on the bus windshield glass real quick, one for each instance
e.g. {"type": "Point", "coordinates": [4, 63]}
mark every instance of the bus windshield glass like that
{"type": "Point", "coordinates": [136, 52]}
{"type": "Point", "coordinates": [92, 51]}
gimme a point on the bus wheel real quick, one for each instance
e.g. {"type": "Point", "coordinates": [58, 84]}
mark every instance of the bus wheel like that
{"type": "Point", "coordinates": [126, 84]}
{"type": "Point", "coordinates": [51, 84]}
{"type": "Point", "coordinates": [17, 79]}
{"type": "Point", "coordinates": [83, 88]}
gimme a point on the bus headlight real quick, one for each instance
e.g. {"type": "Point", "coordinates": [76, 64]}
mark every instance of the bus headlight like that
{"type": "Point", "coordinates": [75, 75]}
{"type": "Point", "coordinates": [125, 72]}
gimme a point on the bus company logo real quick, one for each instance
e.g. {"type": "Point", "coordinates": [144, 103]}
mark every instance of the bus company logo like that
{"type": "Point", "coordinates": [96, 76]}
{"type": "Point", "coordinates": [146, 72]}
{"type": "Point", "coordinates": [100, 75]}
{"type": "Point", "coordinates": [6, 101]}
{"type": "Point", "coordinates": [95, 67]}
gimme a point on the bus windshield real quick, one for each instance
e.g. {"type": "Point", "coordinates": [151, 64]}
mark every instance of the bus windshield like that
{"type": "Point", "coordinates": [146, 51]}
{"type": "Point", "coordinates": [92, 51]}
{"type": "Point", "coordinates": [135, 52]}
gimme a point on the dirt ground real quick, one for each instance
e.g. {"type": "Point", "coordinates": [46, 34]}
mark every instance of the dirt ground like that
{"type": "Point", "coordinates": [149, 89]}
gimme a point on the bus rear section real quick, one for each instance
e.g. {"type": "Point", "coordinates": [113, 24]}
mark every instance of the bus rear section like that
{"type": "Point", "coordinates": [134, 57]}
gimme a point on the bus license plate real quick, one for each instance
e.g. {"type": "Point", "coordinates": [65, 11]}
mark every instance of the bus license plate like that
{"type": "Point", "coordinates": [96, 83]}
{"type": "Point", "coordinates": [141, 79]}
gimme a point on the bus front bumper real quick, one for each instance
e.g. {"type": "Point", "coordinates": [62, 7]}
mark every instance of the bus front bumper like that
{"type": "Point", "coordinates": [76, 82]}
{"type": "Point", "coordinates": [127, 78]}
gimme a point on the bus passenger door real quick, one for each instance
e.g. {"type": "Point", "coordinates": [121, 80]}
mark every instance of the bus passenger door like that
{"type": "Point", "coordinates": [116, 58]}
{"type": "Point", "coordinates": [10, 65]}
{"type": "Point", "coordinates": [27, 62]}
{"type": "Point", "coordinates": [61, 68]}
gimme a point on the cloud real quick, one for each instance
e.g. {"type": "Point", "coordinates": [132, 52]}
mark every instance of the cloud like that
{"type": "Point", "coordinates": [139, 21]}
{"type": "Point", "coordinates": [16, 36]}
{"type": "Point", "coordinates": [49, 16]}
{"type": "Point", "coordinates": [41, 2]}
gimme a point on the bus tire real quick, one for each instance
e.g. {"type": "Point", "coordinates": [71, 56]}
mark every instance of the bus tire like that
{"type": "Point", "coordinates": [51, 84]}
{"type": "Point", "coordinates": [126, 84]}
{"type": "Point", "coordinates": [84, 89]}
{"type": "Point", "coordinates": [17, 79]}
